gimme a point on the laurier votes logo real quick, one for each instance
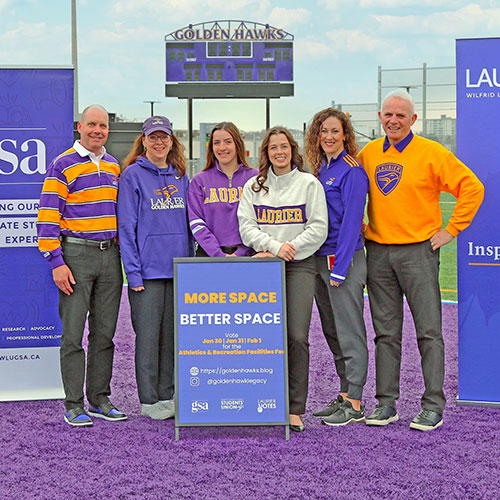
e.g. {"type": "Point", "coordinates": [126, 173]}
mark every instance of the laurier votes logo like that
{"type": "Point", "coordinates": [387, 177]}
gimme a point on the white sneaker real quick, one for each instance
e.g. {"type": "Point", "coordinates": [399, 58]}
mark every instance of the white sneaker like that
{"type": "Point", "coordinates": [156, 411]}
{"type": "Point", "coordinates": [169, 404]}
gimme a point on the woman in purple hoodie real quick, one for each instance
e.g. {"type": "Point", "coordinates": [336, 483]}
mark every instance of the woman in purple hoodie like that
{"type": "Point", "coordinates": [214, 195]}
{"type": "Point", "coordinates": [153, 229]}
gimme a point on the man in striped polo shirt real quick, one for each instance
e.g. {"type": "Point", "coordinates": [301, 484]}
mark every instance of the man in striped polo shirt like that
{"type": "Point", "coordinates": [77, 236]}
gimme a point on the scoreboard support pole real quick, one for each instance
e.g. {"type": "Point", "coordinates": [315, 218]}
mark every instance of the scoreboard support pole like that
{"type": "Point", "coordinates": [268, 113]}
{"type": "Point", "coordinates": [190, 127]}
{"type": "Point", "coordinates": [190, 121]}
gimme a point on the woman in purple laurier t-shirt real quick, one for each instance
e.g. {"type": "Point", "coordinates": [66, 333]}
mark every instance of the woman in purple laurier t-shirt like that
{"type": "Point", "coordinates": [215, 192]}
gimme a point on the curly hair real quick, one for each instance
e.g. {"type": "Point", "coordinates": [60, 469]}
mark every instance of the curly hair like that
{"type": "Point", "coordinates": [175, 156]}
{"type": "Point", "coordinates": [265, 163]}
{"type": "Point", "coordinates": [238, 141]}
{"type": "Point", "coordinates": [314, 152]}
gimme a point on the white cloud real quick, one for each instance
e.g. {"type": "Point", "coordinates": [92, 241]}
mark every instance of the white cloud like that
{"type": "Point", "coordinates": [171, 10]}
{"type": "Point", "coordinates": [331, 4]}
{"type": "Point", "coordinates": [288, 18]}
{"type": "Point", "coordinates": [115, 38]}
{"type": "Point", "coordinates": [405, 3]}
{"type": "Point", "coordinates": [344, 40]}
{"type": "Point", "coordinates": [380, 4]}
{"type": "Point", "coordinates": [36, 43]}
{"type": "Point", "coordinates": [311, 50]}
{"type": "Point", "coordinates": [470, 20]}
{"type": "Point", "coordinates": [194, 11]}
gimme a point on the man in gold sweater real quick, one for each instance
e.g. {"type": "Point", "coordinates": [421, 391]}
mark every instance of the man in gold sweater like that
{"type": "Point", "coordinates": [407, 174]}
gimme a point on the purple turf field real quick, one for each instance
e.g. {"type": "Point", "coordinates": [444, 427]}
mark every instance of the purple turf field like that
{"type": "Point", "coordinates": [44, 458]}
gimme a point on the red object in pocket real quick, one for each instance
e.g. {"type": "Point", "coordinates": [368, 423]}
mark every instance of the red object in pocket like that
{"type": "Point", "coordinates": [331, 260]}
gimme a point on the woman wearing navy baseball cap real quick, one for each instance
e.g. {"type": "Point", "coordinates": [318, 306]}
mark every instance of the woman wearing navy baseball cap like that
{"type": "Point", "coordinates": [153, 229]}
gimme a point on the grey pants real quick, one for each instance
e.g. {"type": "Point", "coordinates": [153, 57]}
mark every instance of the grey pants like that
{"type": "Point", "coordinates": [412, 270]}
{"type": "Point", "coordinates": [300, 280]}
{"type": "Point", "coordinates": [346, 304]}
{"type": "Point", "coordinates": [322, 298]}
{"type": "Point", "coordinates": [98, 289]}
{"type": "Point", "coordinates": [152, 312]}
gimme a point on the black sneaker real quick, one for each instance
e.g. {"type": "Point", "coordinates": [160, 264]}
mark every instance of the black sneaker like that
{"type": "Point", "coordinates": [332, 406]}
{"type": "Point", "coordinates": [77, 417]}
{"type": "Point", "coordinates": [345, 414]}
{"type": "Point", "coordinates": [427, 420]}
{"type": "Point", "coordinates": [107, 411]}
{"type": "Point", "coordinates": [382, 415]}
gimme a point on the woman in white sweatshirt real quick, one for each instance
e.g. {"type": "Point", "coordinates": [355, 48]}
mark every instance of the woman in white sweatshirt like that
{"type": "Point", "coordinates": [282, 213]}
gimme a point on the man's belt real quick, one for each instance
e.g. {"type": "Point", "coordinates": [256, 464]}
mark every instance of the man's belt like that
{"type": "Point", "coordinates": [101, 244]}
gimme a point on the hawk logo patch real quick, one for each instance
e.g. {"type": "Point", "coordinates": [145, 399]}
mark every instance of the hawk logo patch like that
{"type": "Point", "coordinates": [167, 191]}
{"type": "Point", "coordinates": [387, 177]}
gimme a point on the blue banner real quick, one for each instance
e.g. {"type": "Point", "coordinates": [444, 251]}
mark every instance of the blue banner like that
{"type": "Point", "coordinates": [36, 124]}
{"type": "Point", "coordinates": [230, 342]}
{"type": "Point", "coordinates": [478, 146]}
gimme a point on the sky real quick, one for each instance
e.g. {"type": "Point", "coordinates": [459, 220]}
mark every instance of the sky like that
{"type": "Point", "coordinates": [337, 49]}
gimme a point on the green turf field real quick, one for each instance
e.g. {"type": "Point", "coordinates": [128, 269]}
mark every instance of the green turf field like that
{"type": "Point", "coordinates": [448, 270]}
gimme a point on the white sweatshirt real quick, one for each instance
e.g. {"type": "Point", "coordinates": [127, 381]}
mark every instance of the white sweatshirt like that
{"type": "Point", "coordinates": [293, 210]}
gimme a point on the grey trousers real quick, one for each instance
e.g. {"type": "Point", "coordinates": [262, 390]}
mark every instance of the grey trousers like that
{"type": "Point", "coordinates": [346, 304]}
{"type": "Point", "coordinates": [152, 312]}
{"type": "Point", "coordinates": [98, 289]}
{"type": "Point", "coordinates": [412, 270]}
{"type": "Point", "coordinates": [322, 298]}
{"type": "Point", "coordinates": [300, 282]}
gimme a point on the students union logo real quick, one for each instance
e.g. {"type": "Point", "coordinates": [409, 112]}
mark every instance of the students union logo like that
{"type": "Point", "coordinates": [387, 177]}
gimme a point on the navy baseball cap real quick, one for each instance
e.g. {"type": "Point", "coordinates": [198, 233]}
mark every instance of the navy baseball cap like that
{"type": "Point", "coordinates": [155, 124]}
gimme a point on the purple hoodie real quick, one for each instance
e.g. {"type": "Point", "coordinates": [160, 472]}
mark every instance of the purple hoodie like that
{"type": "Point", "coordinates": [213, 201]}
{"type": "Point", "coordinates": [152, 220]}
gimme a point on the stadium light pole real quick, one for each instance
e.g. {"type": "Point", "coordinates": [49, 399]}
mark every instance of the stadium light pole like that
{"type": "Point", "coordinates": [152, 103]}
{"type": "Point", "coordinates": [74, 60]}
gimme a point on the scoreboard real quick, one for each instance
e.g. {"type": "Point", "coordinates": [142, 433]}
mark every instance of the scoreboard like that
{"type": "Point", "coordinates": [201, 56]}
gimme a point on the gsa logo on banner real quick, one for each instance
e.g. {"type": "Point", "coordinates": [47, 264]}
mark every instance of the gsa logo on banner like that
{"type": "Point", "coordinates": [197, 406]}
{"type": "Point", "coordinates": [387, 177]}
{"type": "Point", "coordinates": [12, 156]}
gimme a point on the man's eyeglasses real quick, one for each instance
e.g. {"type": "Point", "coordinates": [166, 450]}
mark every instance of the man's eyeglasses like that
{"type": "Point", "coordinates": [162, 138]}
